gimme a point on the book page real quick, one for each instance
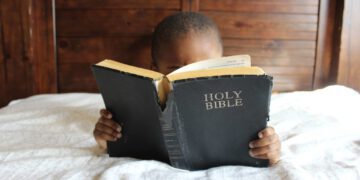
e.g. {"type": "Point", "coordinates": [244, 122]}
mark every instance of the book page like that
{"type": "Point", "coordinates": [115, 65]}
{"type": "Point", "coordinates": [223, 62]}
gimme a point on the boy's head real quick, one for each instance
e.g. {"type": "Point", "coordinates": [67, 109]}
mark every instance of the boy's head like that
{"type": "Point", "coordinates": [182, 39]}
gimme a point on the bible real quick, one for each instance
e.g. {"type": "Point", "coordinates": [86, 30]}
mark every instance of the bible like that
{"type": "Point", "coordinates": [200, 116]}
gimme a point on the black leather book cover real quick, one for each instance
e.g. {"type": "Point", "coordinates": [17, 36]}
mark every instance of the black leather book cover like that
{"type": "Point", "coordinates": [207, 122]}
{"type": "Point", "coordinates": [133, 102]}
{"type": "Point", "coordinates": [214, 119]}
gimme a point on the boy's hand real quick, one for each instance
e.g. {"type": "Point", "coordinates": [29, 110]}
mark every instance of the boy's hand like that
{"type": "Point", "coordinates": [106, 129]}
{"type": "Point", "coordinates": [267, 146]}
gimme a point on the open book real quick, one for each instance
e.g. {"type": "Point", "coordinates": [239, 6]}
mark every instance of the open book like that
{"type": "Point", "coordinates": [199, 116]}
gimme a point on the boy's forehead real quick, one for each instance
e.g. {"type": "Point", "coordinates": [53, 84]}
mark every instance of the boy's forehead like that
{"type": "Point", "coordinates": [189, 48]}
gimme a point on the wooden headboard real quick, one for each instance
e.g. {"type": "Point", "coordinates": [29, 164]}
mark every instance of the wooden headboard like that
{"type": "Point", "coordinates": [287, 38]}
{"type": "Point", "coordinates": [279, 36]}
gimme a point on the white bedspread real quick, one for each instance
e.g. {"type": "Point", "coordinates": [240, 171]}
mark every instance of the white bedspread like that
{"type": "Point", "coordinates": [50, 136]}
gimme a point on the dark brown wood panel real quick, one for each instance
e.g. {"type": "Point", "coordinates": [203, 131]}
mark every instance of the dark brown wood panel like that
{"type": "Point", "coordinates": [16, 68]}
{"type": "Point", "coordinates": [130, 50]}
{"type": "Point", "coordinates": [265, 25]}
{"type": "Point", "coordinates": [268, 44]}
{"type": "Point", "coordinates": [42, 46]}
{"type": "Point", "coordinates": [279, 35]}
{"type": "Point", "coordinates": [119, 4]}
{"type": "Point", "coordinates": [27, 61]}
{"type": "Point", "coordinates": [273, 52]}
{"type": "Point", "coordinates": [3, 99]}
{"type": "Point", "coordinates": [291, 87]}
{"type": "Point", "coordinates": [76, 77]}
{"type": "Point", "coordinates": [328, 42]}
{"type": "Point", "coordinates": [261, 6]}
{"type": "Point", "coordinates": [280, 53]}
{"type": "Point", "coordinates": [349, 64]}
{"type": "Point", "coordinates": [288, 70]}
{"type": "Point", "coordinates": [108, 22]}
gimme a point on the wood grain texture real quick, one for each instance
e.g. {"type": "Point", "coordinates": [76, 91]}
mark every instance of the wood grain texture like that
{"type": "Point", "coordinates": [3, 99]}
{"type": "Point", "coordinates": [328, 41]}
{"type": "Point", "coordinates": [130, 50]}
{"type": "Point", "coordinates": [42, 46]}
{"type": "Point", "coordinates": [262, 6]}
{"type": "Point", "coordinates": [273, 52]}
{"type": "Point", "coordinates": [265, 25]}
{"type": "Point", "coordinates": [279, 35]}
{"type": "Point", "coordinates": [27, 62]}
{"type": "Point", "coordinates": [16, 68]}
{"type": "Point", "coordinates": [108, 22]}
{"type": "Point", "coordinates": [349, 64]}
{"type": "Point", "coordinates": [119, 4]}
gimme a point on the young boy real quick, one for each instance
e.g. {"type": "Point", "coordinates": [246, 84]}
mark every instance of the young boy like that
{"type": "Point", "coordinates": [179, 40]}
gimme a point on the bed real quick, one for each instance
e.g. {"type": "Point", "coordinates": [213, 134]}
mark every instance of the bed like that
{"type": "Point", "coordinates": [50, 136]}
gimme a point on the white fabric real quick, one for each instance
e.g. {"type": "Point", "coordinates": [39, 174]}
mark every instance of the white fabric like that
{"type": "Point", "coordinates": [50, 136]}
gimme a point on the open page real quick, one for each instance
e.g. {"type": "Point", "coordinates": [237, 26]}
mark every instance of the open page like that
{"type": "Point", "coordinates": [223, 62]}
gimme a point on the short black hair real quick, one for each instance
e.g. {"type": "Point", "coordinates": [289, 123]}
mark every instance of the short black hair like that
{"type": "Point", "coordinates": [172, 27]}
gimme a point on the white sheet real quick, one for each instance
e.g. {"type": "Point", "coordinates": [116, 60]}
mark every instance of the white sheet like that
{"type": "Point", "coordinates": [50, 136]}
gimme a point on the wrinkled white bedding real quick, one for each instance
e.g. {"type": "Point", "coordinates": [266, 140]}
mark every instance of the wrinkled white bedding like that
{"type": "Point", "coordinates": [50, 136]}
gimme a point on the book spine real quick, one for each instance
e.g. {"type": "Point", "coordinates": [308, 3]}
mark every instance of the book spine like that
{"type": "Point", "coordinates": [173, 139]}
{"type": "Point", "coordinates": [270, 80]}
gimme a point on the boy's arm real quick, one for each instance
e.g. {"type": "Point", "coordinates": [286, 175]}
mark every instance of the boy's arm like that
{"type": "Point", "coordinates": [106, 129]}
{"type": "Point", "coordinates": [267, 146]}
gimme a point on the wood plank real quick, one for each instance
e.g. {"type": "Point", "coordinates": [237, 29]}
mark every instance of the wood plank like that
{"type": "Point", "coordinates": [292, 79]}
{"type": "Point", "coordinates": [280, 53]}
{"type": "Point", "coordinates": [263, 34]}
{"type": "Point", "coordinates": [25, 66]}
{"type": "Point", "coordinates": [284, 2]}
{"type": "Point", "coordinates": [268, 44]}
{"type": "Point", "coordinates": [349, 65]}
{"type": "Point", "coordinates": [108, 22]}
{"type": "Point", "coordinates": [185, 5]}
{"type": "Point", "coordinates": [118, 4]}
{"type": "Point", "coordinates": [293, 7]}
{"type": "Point", "coordinates": [287, 61]}
{"type": "Point", "coordinates": [18, 78]}
{"type": "Point", "coordinates": [76, 77]}
{"type": "Point", "coordinates": [3, 96]}
{"type": "Point", "coordinates": [265, 26]}
{"type": "Point", "coordinates": [131, 50]}
{"type": "Point", "coordinates": [288, 70]}
{"type": "Point", "coordinates": [262, 17]}
{"type": "Point", "coordinates": [42, 46]}
{"type": "Point", "coordinates": [291, 87]}
{"type": "Point", "coordinates": [272, 52]}
{"type": "Point", "coordinates": [328, 42]}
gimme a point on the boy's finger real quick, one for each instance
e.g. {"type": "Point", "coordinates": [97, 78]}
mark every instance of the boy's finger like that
{"type": "Point", "coordinates": [105, 113]}
{"type": "Point", "coordinates": [104, 136]}
{"type": "Point", "coordinates": [106, 129]}
{"type": "Point", "coordinates": [266, 132]}
{"type": "Point", "coordinates": [110, 123]}
{"type": "Point", "coordinates": [264, 141]}
{"type": "Point", "coordinates": [272, 156]}
{"type": "Point", "coordinates": [264, 150]}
